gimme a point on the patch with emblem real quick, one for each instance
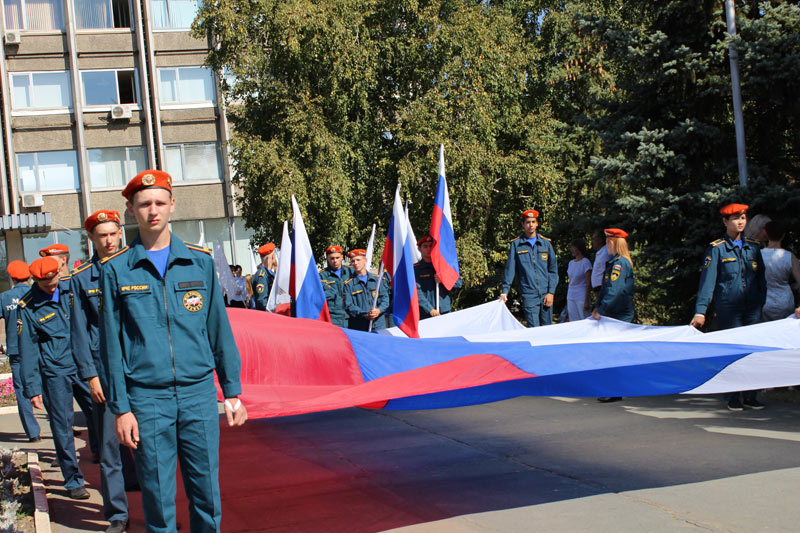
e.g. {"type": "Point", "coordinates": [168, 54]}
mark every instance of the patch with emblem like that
{"type": "Point", "coordinates": [46, 317]}
{"type": "Point", "coordinates": [614, 275]}
{"type": "Point", "coordinates": [134, 288]}
{"type": "Point", "coordinates": [544, 257]}
{"type": "Point", "coordinates": [618, 267]}
{"type": "Point", "coordinates": [193, 301]}
{"type": "Point", "coordinates": [755, 266]}
{"type": "Point", "coordinates": [260, 288]}
{"type": "Point", "coordinates": [148, 180]}
{"type": "Point", "coordinates": [101, 216]}
{"type": "Point", "coordinates": [707, 261]}
{"type": "Point", "coordinates": [19, 326]}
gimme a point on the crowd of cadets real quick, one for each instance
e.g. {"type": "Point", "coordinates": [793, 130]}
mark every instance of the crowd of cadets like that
{"type": "Point", "coordinates": [76, 332]}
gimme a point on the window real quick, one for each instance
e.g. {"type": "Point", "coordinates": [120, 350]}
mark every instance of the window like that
{"type": "Point", "coordinates": [100, 14]}
{"type": "Point", "coordinates": [174, 14]}
{"type": "Point", "coordinates": [40, 90]}
{"type": "Point", "coordinates": [40, 15]}
{"type": "Point", "coordinates": [74, 239]}
{"type": "Point", "coordinates": [114, 167]}
{"type": "Point", "coordinates": [185, 85]}
{"type": "Point", "coordinates": [48, 171]}
{"type": "Point", "coordinates": [193, 162]}
{"type": "Point", "coordinates": [108, 87]}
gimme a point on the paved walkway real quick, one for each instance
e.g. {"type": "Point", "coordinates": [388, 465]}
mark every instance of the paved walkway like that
{"type": "Point", "coordinates": [547, 464]}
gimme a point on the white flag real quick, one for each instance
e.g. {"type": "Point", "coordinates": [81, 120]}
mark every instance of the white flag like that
{"type": "Point", "coordinates": [416, 257]}
{"type": "Point", "coordinates": [279, 294]}
{"type": "Point", "coordinates": [226, 281]}
{"type": "Point", "coordinates": [370, 248]}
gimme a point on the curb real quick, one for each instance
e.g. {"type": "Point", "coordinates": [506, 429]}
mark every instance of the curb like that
{"type": "Point", "coordinates": [8, 410]}
{"type": "Point", "coordinates": [6, 376]}
{"type": "Point", "coordinates": [41, 516]}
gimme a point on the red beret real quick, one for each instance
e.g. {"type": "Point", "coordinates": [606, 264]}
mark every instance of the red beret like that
{"type": "Point", "coordinates": [528, 213]}
{"type": "Point", "coordinates": [266, 249]}
{"type": "Point", "coordinates": [44, 268]}
{"type": "Point", "coordinates": [334, 249]}
{"type": "Point", "coordinates": [19, 270]}
{"type": "Point", "coordinates": [356, 253]}
{"type": "Point", "coordinates": [423, 240]}
{"type": "Point", "coordinates": [53, 249]}
{"type": "Point", "coordinates": [148, 179]}
{"type": "Point", "coordinates": [732, 209]}
{"type": "Point", "coordinates": [616, 232]}
{"type": "Point", "coordinates": [104, 215]}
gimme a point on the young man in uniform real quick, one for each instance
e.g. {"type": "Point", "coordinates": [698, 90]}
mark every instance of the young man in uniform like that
{"type": "Point", "coordinates": [105, 231]}
{"type": "Point", "coordinates": [532, 261]}
{"type": "Point", "coordinates": [733, 277]}
{"type": "Point", "coordinates": [359, 295]}
{"type": "Point", "coordinates": [427, 279]}
{"type": "Point", "coordinates": [164, 332]}
{"type": "Point", "coordinates": [49, 370]}
{"type": "Point", "coordinates": [60, 252]}
{"type": "Point", "coordinates": [264, 276]}
{"type": "Point", "coordinates": [333, 277]}
{"type": "Point", "coordinates": [19, 273]}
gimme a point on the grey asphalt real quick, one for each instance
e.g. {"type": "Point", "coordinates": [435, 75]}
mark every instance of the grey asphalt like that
{"type": "Point", "coordinates": [528, 464]}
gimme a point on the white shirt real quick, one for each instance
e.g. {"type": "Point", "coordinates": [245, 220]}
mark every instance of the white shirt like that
{"type": "Point", "coordinates": [576, 270]}
{"type": "Point", "coordinates": [599, 267]}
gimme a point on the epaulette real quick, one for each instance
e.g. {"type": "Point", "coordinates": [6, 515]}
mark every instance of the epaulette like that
{"type": "Point", "coordinates": [717, 242]}
{"type": "Point", "coordinates": [348, 280]}
{"type": "Point", "coordinates": [24, 300]}
{"type": "Point", "coordinates": [754, 241]}
{"type": "Point", "coordinates": [112, 256]}
{"type": "Point", "coordinates": [80, 268]}
{"type": "Point", "coordinates": [197, 248]}
{"type": "Point", "coordinates": [66, 278]}
{"type": "Point", "coordinates": [545, 238]}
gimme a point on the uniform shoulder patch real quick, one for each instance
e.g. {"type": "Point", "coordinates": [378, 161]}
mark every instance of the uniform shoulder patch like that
{"type": "Point", "coordinates": [754, 241]}
{"type": "Point", "coordinates": [348, 280]}
{"type": "Point", "coordinates": [717, 242]}
{"type": "Point", "coordinates": [112, 256]}
{"type": "Point", "coordinates": [80, 268]}
{"type": "Point", "coordinates": [545, 238]}
{"type": "Point", "coordinates": [66, 278]}
{"type": "Point", "coordinates": [197, 248]}
{"type": "Point", "coordinates": [25, 300]}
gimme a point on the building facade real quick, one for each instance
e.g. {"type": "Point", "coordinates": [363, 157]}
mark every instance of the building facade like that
{"type": "Point", "coordinates": [95, 91]}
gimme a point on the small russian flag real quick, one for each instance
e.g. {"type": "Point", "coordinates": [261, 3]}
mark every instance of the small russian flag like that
{"type": "Point", "coordinates": [305, 285]}
{"type": "Point", "coordinates": [443, 252]}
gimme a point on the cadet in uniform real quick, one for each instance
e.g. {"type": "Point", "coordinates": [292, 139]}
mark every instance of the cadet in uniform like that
{"type": "Point", "coordinates": [359, 294]}
{"type": "Point", "coordinates": [615, 299]}
{"type": "Point", "coordinates": [19, 273]}
{"type": "Point", "coordinates": [427, 279]}
{"type": "Point", "coordinates": [264, 276]}
{"type": "Point", "coordinates": [164, 331]}
{"type": "Point", "coordinates": [532, 261]}
{"type": "Point", "coordinates": [105, 231]}
{"type": "Point", "coordinates": [733, 277]}
{"type": "Point", "coordinates": [333, 277]}
{"type": "Point", "coordinates": [49, 370]}
{"type": "Point", "coordinates": [60, 252]}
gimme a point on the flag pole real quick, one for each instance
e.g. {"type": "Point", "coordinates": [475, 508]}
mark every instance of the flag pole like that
{"type": "Point", "coordinates": [437, 296]}
{"type": "Point", "coordinates": [375, 298]}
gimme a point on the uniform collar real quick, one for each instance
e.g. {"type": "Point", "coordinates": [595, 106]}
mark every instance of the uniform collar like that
{"type": "Point", "coordinates": [21, 284]}
{"type": "Point", "coordinates": [525, 240]}
{"type": "Point", "coordinates": [177, 250]}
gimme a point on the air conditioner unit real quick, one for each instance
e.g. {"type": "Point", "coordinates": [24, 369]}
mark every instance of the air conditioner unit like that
{"type": "Point", "coordinates": [120, 112]}
{"type": "Point", "coordinates": [32, 200]}
{"type": "Point", "coordinates": [13, 37]}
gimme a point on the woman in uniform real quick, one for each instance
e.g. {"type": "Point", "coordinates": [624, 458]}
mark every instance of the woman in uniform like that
{"type": "Point", "coordinates": [616, 294]}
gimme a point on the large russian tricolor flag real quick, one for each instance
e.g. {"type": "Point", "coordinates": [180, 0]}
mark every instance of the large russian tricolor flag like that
{"type": "Point", "coordinates": [398, 260]}
{"type": "Point", "coordinates": [443, 253]}
{"type": "Point", "coordinates": [305, 285]}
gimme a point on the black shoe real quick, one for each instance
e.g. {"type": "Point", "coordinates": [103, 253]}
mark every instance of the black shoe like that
{"type": "Point", "coordinates": [79, 494]}
{"type": "Point", "coordinates": [752, 403]}
{"type": "Point", "coordinates": [117, 526]}
{"type": "Point", "coordinates": [735, 405]}
{"type": "Point", "coordinates": [609, 399]}
{"type": "Point", "coordinates": [134, 487]}
{"type": "Point", "coordinates": [37, 438]}
{"type": "Point", "coordinates": [76, 432]}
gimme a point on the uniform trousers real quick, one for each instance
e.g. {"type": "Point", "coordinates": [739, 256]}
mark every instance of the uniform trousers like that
{"type": "Point", "coordinates": [535, 313]}
{"type": "Point", "coordinates": [734, 318]}
{"type": "Point", "coordinates": [112, 478]}
{"type": "Point", "coordinates": [57, 394]}
{"type": "Point", "coordinates": [24, 406]}
{"type": "Point", "coordinates": [182, 426]}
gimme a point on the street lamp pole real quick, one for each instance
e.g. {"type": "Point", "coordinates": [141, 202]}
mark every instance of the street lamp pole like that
{"type": "Point", "coordinates": [738, 120]}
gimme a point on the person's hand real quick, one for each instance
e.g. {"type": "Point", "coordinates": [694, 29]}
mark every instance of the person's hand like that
{"type": "Point", "coordinates": [503, 297]}
{"type": "Point", "coordinates": [596, 314]}
{"type": "Point", "coordinates": [235, 411]}
{"type": "Point", "coordinates": [698, 321]}
{"type": "Point", "coordinates": [36, 401]}
{"type": "Point", "coordinates": [548, 300]}
{"type": "Point", "coordinates": [127, 430]}
{"type": "Point", "coordinates": [436, 278]}
{"type": "Point", "coordinates": [434, 312]}
{"type": "Point", "coordinates": [96, 390]}
{"type": "Point", "coordinates": [373, 313]}
{"type": "Point", "coordinates": [797, 312]}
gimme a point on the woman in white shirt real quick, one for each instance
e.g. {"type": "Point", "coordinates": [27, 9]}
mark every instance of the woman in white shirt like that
{"type": "Point", "coordinates": [579, 271]}
{"type": "Point", "coordinates": [780, 267]}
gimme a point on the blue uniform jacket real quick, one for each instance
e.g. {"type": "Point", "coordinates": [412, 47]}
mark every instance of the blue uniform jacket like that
{"type": "Point", "coordinates": [8, 307]}
{"type": "Point", "coordinates": [616, 293]}
{"type": "Point", "coordinates": [535, 267]}
{"type": "Point", "coordinates": [334, 292]}
{"type": "Point", "coordinates": [426, 289]}
{"type": "Point", "coordinates": [85, 322]}
{"type": "Point", "coordinates": [161, 334]}
{"type": "Point", "coordinates": [262, 284]}
{"type": "Point", "coordinates": [358, 297]}
{"type": "Point", "coordinates": [734, 278]}
{"type": "Point", "coordinates": [43, 336]}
